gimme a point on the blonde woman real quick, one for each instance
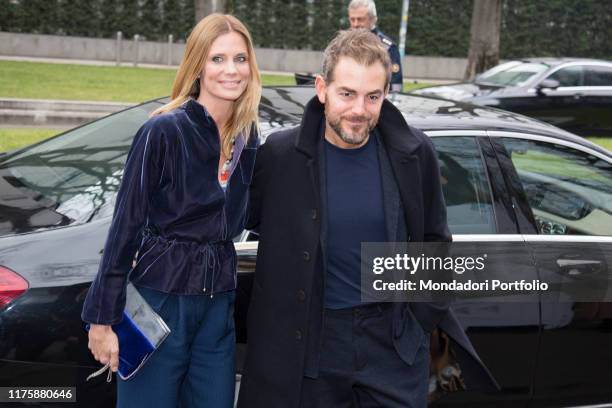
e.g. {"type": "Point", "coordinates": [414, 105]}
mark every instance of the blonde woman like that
{"type": "Point", "coordinates": [182, 198]}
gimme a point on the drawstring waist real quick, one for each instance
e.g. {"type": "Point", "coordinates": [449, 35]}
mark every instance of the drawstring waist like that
{"type": "Point", "coordinates": [149, 234]}
{"type": "Point", "coordinates": [212, 263]}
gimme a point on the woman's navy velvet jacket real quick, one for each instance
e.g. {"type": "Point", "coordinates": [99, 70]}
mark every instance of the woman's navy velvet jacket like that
{"type": "Point", "coordinates": [172, 211]}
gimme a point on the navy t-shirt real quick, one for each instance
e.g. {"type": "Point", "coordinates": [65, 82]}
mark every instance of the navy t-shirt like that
{"type": "Point", "coordinates": [355, 214]}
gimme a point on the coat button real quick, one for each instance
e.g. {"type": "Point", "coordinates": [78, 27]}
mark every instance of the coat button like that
{"type": "Point", "coordinates": [313, 214]}
{"type": "Point", "coordinates": [306, 255]}
{"type": "Point", "coordinates": [301, 295]}
{"type": "Point", "coordinates": [298, 335]}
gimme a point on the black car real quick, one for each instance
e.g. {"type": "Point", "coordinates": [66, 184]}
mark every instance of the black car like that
{"type": "Point", "coordinates": [505, 178]}
{"type": "Point", "coordinates": [573, 94]}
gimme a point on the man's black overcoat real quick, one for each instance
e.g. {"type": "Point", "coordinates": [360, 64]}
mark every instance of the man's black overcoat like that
{"type": "Point", "coordinates": [287, 298]}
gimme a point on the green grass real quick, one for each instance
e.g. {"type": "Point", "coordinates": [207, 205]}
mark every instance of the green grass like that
{"type": "Point", "coordinates": [553, 165]}
{"type": "Point", "coordinates": [34, 80]}
{"type": "Point", "coordinates": [409, 86]}
{"type": "Point", "coordinates": [12, 138]}
{"type": "Point", "coordinates": [605, 142]}
{"type": "Point", "coordinates": [566, 168]}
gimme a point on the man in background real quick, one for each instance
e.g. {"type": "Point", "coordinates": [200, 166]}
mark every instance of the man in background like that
{"type": "Point", "coordinates": [362, 14]}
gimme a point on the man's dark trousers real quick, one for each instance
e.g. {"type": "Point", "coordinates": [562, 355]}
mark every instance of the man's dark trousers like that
{"type": "Point", "coordinates": [359, 367]}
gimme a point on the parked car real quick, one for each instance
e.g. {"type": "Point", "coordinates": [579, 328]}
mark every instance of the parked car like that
{"type": "Point", "coordinates": [505, 177]}
{"type": "Point", "coordinates": [573, 94]}
{"type": "Point", "coordinates": [304, 78]}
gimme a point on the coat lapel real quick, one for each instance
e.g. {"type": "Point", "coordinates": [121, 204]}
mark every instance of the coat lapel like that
{"type": "Point", "coordinates": [409, 179]}
{"type": "Point", "coordinates": [307, 142]}
{"type": "Point", "coordinates": [391, 197]}
{"type": "Point", "coordinates": [309, 133]}
{"type": "Point", "coordinates": [401, 147]}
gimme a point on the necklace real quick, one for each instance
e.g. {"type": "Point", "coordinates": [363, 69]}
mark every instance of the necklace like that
{"type": "Point", "coordinates": [227, 165]}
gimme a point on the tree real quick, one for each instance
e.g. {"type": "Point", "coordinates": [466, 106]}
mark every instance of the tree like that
{"type": "Point", "coordinates": [300, 12]}
{"type": "Point", "coordinates": [206, 7]}
{"type": "Point", "coordinates": [484, 36]}
{"type": "Point", "coordinates": [328, 16]}
{"type": "Point", "coordinates": [87, 17]}
{"type": "Point", "coordinates": [389, 15]}
{"type": "Point", "coordinates": [111, 11]}
{"type": "Point", "coordinates": [437, 28]}
{"type": "Point", "coordinates": [171, 18]}
{"type": "Point", "coordinates": [150, 21]}
{"type": "Point", "coordinates": [130, 19]}
{"type": "Point", "coordinates": [185, 18]}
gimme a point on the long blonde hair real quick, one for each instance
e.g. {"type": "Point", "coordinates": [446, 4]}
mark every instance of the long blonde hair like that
{"type": "Point", "coordinates": [187, 85]}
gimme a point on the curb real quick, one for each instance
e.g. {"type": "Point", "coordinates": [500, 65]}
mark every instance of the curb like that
{"type": "Point", "coordinates": [54, 113]}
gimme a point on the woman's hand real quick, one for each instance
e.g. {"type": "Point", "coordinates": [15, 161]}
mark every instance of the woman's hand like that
{"type": "Point", "coordinates": [104, 345]}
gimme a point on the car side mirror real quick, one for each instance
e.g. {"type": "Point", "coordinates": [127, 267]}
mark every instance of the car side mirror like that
{"type": "Point", "coordinates": [547, 84]}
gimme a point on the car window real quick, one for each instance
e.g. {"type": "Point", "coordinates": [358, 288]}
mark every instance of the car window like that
{"type": "Point", "coordinates": [570, 191]}
{"type": "Point", "coordinates": [465, 186]}
{"type": "Point", "coordinates": [78, 173]}
{"type": "Point", "coordinates": [597, 76]}
{"type": "Point", "coordinates": [569, 76]}
{"type": "Point", "coordinates": [511, 74]}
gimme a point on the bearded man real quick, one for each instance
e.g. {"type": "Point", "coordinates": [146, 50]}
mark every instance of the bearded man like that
{"type": "Point", "coordinates": [352, 172]}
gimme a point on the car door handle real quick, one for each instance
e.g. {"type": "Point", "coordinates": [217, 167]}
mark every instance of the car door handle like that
{"type": "Point", "coordinates": [579, 267]}
{"type": "Point", "coordinates": [578, 96]}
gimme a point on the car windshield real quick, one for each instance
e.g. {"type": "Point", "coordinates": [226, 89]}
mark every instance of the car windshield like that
{"type": "Point", "coordinates": [513, 73]}
{"type": "Point", "coordinates": [73, 178]}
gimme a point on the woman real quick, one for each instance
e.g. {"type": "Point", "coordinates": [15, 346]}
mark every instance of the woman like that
{"type": "Point", "coordinates": [182, 199]}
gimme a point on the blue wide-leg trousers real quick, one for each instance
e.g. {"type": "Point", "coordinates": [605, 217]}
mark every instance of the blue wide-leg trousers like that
{"type": "Point", "coordinates": [194, 366]}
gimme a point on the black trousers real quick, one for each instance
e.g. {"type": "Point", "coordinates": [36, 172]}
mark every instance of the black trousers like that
{"type": "Point", "coordinates": [359, 367]}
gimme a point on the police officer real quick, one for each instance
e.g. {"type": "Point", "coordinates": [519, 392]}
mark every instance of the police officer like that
{"type": "Point", "coordinates": [362, 14]}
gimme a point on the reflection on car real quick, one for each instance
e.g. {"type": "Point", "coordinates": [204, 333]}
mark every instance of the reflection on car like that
{"type": "Point", "coordinates": [574, 94]}
{"type": "Point", "coordinates": [505, 177]}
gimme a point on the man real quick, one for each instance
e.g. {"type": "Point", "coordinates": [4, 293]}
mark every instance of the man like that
{"type": "Point", "coordinates": [352, 172]}
{"type": "Point", "coordinates": [362, 14]}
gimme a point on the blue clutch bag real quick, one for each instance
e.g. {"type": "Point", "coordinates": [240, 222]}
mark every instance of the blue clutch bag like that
{"type": "Point", "coordinates": [140, 333]}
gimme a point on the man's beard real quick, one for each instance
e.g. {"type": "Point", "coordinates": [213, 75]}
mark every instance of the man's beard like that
{"type": "Point", "coordinates": [354, 138]}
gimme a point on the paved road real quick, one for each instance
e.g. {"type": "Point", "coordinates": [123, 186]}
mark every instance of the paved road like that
{"type": "Point", "coordinates": [16, 112]}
